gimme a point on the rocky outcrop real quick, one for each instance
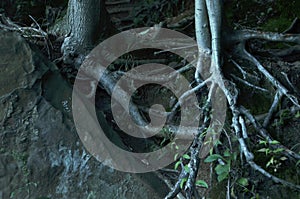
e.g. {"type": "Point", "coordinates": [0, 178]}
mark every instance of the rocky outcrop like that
{"type": "Point", "coordinates": [41, 155]}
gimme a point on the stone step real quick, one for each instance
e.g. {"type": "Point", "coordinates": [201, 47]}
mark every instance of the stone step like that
{"type": "Point", "coordinates": [119, 11]}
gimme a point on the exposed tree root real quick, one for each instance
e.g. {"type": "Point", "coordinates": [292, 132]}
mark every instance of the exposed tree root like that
{"type": "Point", "coordinates": [208, 72]}
{"type": "Point", "coordinates": [209, 42]}
{"type": "Point", "coordinates": [26, 32]}
{"type": "Point", "coordinates": [29, 33]}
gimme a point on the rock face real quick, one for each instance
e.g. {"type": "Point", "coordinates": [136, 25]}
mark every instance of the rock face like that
{"type": "Point", "coordinates": [41, 155]}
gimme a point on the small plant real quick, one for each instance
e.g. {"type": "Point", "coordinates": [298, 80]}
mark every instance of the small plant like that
{"type": "Point", "coordinates": [274, 153]}
{"type": "Point", "coordinates": [283, 116]}
{"type": "Point", "coordinates": [225, 162]}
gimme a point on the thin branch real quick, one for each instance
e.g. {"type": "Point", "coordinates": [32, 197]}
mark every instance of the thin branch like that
{"type": "Point", "coordinates": [188, 93]}
{"type": "Point", "coordinates": [28, 32]}
{"type": "Point", "coordinates": [178, 48]}
{"type": "Point", "coordinates": [289, 82]}
{"type": "Point", "coordinates": [250, 85]}
{"type": "Point", "coordinates": [153, 76]}
{"type": "Point", "coordinates": [293, 25]}
{"type": "Point", "coordinates": [278, 37]}
{"type": "Point", "coordinates": [244, 128]}
{"type": "Point", "coordinates": [271, 79]}
{"type": "Point", "coordinates": [272, 109]}
{"type": "Point", "coordinates": [272, 177]}
{"type": "Point", "coordinates": [139, 62]}
{"type": "Point", "coordinates": [244, 73]}
{"type": "Point", "coordinates": [228, 189]}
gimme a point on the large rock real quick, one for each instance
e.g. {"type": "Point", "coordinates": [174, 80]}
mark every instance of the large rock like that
{"type": "Point", "coordinates": [41, 155]}
{"type": "Point", "coordinates": [18, 68]}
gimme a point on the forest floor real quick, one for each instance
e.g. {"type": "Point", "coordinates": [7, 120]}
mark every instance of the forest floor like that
{"type": "Point", "coordinates": [259, 15]}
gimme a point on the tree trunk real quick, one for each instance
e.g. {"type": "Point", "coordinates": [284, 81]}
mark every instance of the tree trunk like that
{"type": "Point", "coordinates": [88, 20]}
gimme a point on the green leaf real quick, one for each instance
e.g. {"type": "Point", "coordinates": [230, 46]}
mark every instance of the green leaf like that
{"type": "Point", "coordinates": [186, 156]}
{"type": "Point", "coordinates": [263, 150]}
{"type": "Point", "coordinates": [278, 150]}
{"type": "Point", "coordinates": [182, 182]}
{"type": "Point", "coordinates": [212, 158]}
{"type": "Point", "coordinates": [217, 143]}
{"type": "Point", "coordinates": [176, 156]}
{"type": "Point", "coordinates": [222, 177]}
{"type": "Point", "coordinates": [283, 158]}
{"type": "Point", "coordinates": [227, 153]}
{"type": "Point", "coordinates": [220, 169]}
{"type": "Point", "coordinates": [263, 142]}
{"type": "Point", "coordinates": [186, 168]}
{"type": "Point", "coordinates": [270, 162]}
{"type": "Point", "coordinates": [274, 142]}
{"type": "Point", "coordinates": [243, 181]}
{"type": "Point", "coordinates": [201, 183]}
{"type": "Point", "coordinates": [177, 164]}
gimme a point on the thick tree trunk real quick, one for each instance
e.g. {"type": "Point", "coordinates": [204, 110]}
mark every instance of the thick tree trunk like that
{"type": "Point", "coordinates": [88, 21]}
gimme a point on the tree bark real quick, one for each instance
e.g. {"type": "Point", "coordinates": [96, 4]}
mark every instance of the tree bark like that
{"type": "Point", "coordinates": [88, 20]}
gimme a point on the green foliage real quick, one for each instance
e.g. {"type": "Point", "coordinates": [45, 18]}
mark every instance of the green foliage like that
{"type": "Point", "coordinates": [284, 116]}
{"type": "Point", "coordinates": [222, 170]}
{"type": "Point", "coordinates": [186, 168]}
{"type": "Point", "coordinates": [243, 181]}
{"type": "Point", "coordinates": [285, 12]}
{"type": "Point", "coordinates": [201, 183]}
{"type": "Point", "coordinates": [277, 24]}
{"type": "Point", "coordinates": [182, 182]}
{"type": "Point", "coordinates": [266, 15]}
{"type": "Point", "coordinates": [213, 158]}
{"type": "Point", "coordinates": [186, 156]}
{"type": "Point", "coordinates": [177, 165]}
{"type": "Point", "coordinates": [274, 154]}
{"type": "Point", "coordinates": [184, 165]}
{"type": "Point", "coordinates": [255, 197]}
